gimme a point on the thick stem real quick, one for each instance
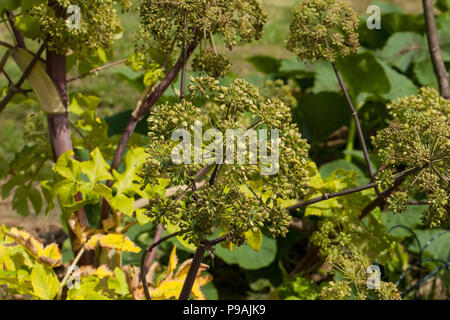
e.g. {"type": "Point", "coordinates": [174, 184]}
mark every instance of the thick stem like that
{"type": "Point", "coordinates": [355, 117]}
{"type": "Point", "coordinates": [59, 131]}
{"type": "Point", "coordinates": [192, 274]}
{"type": "Point", "coordinates": [435, 50]}
{"type": "Point", "coordinates": [195, 266]}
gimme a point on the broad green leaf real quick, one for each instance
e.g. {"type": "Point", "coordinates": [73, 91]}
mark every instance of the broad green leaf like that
{"type": "Point", "coordinates": [325, 79]}
{"type": "Point", "coordinates": [67, 167]}
{"type": "Point", "coordinates": [401, 22]}
{"type": "Point", "coordinates": [247, 258]}
{"type": "Point", "coordinates": [410, 218]}
{"type": "Point", "coordinates": [9, 4]}
{"type": "Point", "coordinates": [28, 25]}
{"type": "Point", "coordinates": [329, 103]}
{"type": "Point", "coordinates": [129, 182]}
{"type": "Point", "coordinates": [28, 4]}
{"type": "Point", "coordinates": [119, 282]}
{"type": "Point", "coordinates": [293, 66]}
{"type": "Point", "coordinates": [321, 208]}
{"type": "Point", "coordinates": [89, 290]}
{"type": "Point", "coordinates": [437, 242]}
{"type": "Point", "coordinates": [404, 48]}
{"type": "Point", "coordinates": [35, 199]}
{"type": "Point", "coordinates": [327, 169]}
{"type": "Point", "coordinates": [401, 85]}
{"type": "Point", "coordinates": [89, 102]}
{"type": "Point", "coordinates": [123, 204]}
{"type": "Point", "coordinates": [20, 201]}
{"type": "Point", "coordinates": [97, 169]}
{"type": "Point", "coordinates": [103, 191]}
{"type": "Point", "coordinates": [141, 217]}
{"type": "Point", "coordinates": [443, 5]}
{"type": "Point", "coordinates": [363, 73]}
{"type": "Point", "coordinates": [49, 195]}
{"type": "Point", "coordinates": [424, 72]}
{"type": "Point", "coordinates": [4, 168]}
{"type": "Point", "coordinates": [265, 64]}
{"type": "Point", "coordinates": [45, 283]}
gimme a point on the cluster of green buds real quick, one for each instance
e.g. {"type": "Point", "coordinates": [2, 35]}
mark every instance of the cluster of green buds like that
{"type": "Point", "coordinates": [353, 280]}
{"type": "Point", "coordinates": [98, 24]}
{"type": "Point", "coordinates": [278, 89]}
{"type": "Point", "coordinates": [398, 202]}
{"type": "Point", "coordinates": [233, 197]}
{"type": "Point", "coordinates": [214, 64]}
{"type": "Point", "coordinates": [323, 30]}
{"type": "Point", "coordinates": [418, 137]}
{"type": "Point", "coordinates": [170, 25]}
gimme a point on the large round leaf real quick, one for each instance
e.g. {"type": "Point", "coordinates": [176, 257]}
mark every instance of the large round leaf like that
{"type": "Point", "coordinates": [246, 257]}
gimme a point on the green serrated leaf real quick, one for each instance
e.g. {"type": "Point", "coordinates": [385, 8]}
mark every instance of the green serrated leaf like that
{"type": "Point", "coordinates": [35, 199]}
{"type": "Point", "coordinates": [28, 25]}
{"type": "Point", "coordinates": [20, 201]}
{"type": "Point", "coordinates": [119, 282]}
{"type": "Point", "coordinates": [404, 48]}
{"type": "Point", "coordinates": [97, 169]}
{"type": "Point", "coordinates": [4, 167]}
{"type": "Point", "coordinates": [123, 204]}
{"type": "Point", "coordinates": [45, 283]}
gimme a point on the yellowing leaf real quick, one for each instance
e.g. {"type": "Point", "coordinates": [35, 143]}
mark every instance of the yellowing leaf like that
{"type": "Point", "coordinates": [49, 255]}
{"type": "Point", "coordinates": [45, 283]}
{"type": "Point", "coordinates": [167, 289]}
{"type": "Point", "coordinates": [254, 239]}
{"type": "Point", "coordinates": [116, 241]}
{"type": "Point", "coordinates": [170, 286]}
{"type": "Point", "coordinates": [173, 262]}
{"type": "Point", "coordinates": [321, 208]}
{"type": "Point", "coordinates": [315, 179]}
{"type": "Point", "coordinates": [103, 272]}
{"type": "Point", "coordinates": [81, 232]}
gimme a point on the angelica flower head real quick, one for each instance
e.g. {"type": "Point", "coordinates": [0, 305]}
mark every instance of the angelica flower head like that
{"type": "Point", "coordinates": [323, 30]}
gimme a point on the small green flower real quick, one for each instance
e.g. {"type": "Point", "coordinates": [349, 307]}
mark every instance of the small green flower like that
{"type": "Point", "coordinates": [418, 137]}
{"type": "Point", "coordinates": [323, 30]}
{"type": "Point", "coordinates": [214, 65]}
{"type": "Point", "coordinates": [398, 202]}
{"type": "Point", "coordinates": [99, 24]}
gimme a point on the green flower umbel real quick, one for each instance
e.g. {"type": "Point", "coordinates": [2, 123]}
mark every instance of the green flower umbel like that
{"type": "Point", "coordinates": [323, 30]}
{"type": "Point", "coordinates": [418, 137]}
